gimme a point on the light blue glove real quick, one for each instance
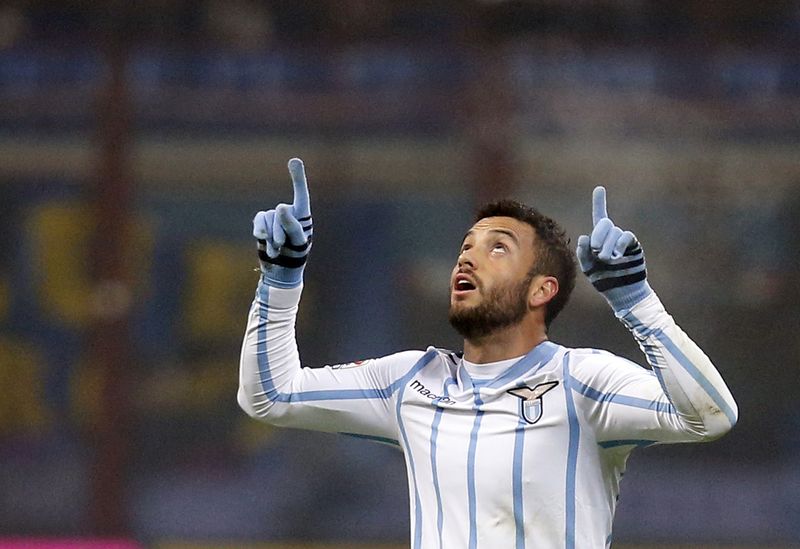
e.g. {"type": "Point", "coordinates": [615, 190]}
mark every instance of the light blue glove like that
{"type": "Point", "coordinates": [284, 234]}
{"type": "Point", "coordinates": [613, 259]}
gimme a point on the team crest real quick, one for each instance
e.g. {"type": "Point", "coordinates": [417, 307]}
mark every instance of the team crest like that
{"type": "Point", "coordinates": [530, 404]}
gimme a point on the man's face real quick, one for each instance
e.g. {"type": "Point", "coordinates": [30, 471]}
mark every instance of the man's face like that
{"type": "Point", "coordinates": [490, 281]}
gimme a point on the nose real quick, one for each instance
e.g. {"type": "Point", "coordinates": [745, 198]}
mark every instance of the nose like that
{"type": "Point", "coordinates": [465, 259]}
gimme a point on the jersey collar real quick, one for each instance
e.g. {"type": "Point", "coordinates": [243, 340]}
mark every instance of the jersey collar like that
{"type": "Point", "coordinates": [497, 374]}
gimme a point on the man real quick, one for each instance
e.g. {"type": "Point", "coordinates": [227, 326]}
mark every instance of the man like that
{"type": "Point", "coordinates": [521, 442]}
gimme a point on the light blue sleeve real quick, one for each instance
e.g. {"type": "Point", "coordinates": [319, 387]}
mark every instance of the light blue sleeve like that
{"type": "Point", "coordinates": [682, 399]}
{"type": "Point", "coordinates": [356, 398]}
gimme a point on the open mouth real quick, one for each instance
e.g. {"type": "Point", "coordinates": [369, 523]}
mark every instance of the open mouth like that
{"type": "Point", "coordinates": [463, 285]}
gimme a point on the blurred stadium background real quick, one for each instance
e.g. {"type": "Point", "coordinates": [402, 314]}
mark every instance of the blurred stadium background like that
{"type": "Point", "coordinates": [138, 139]}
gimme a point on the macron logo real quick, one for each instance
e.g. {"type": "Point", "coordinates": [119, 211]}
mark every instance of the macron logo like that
{"type": "Point", "coordinates": [420, 388]}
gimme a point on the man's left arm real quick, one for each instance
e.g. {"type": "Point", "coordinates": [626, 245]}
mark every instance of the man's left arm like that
{"type": "Point", "coordinates": [688, 399]}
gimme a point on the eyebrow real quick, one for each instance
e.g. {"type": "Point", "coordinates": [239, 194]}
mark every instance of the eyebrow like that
{"type": "Point", "coordinates": [506, 232]}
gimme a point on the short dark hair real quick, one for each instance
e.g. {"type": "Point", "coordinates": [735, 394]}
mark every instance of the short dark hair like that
{"type": "Point", "coordinates": [554, 256]}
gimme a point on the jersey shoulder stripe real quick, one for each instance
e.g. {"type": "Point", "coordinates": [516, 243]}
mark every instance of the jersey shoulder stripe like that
{"type": "Point", "coordinates": [617, 398]}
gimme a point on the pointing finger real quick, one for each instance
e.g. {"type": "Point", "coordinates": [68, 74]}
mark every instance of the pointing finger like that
{"type": "Point", "coordinates": [301, 206]}
{"type": "Point", "coordinates": [598, 204]}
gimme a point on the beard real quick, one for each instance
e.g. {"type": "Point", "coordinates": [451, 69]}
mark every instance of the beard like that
{"type": "Point", "coordinates": [502, 307]}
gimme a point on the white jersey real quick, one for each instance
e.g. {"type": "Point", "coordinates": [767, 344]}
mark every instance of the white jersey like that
{"type": "Point", "coordinates": [519, 454]}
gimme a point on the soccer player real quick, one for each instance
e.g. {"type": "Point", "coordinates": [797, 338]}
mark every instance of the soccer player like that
{"type": "Point", "coordinates": [518, 442]}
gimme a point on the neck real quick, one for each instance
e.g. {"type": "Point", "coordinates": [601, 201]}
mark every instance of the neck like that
{"type": "Point", "coordinates": [508, 343]}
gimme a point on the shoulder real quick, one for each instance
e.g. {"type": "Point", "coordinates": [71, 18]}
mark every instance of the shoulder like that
{"type": "Point", "coordinates": [588, 363]}
{"type": "Point", "coordinates": [401, 359]}
{"type": "Point", "coordinates": [587, 355]}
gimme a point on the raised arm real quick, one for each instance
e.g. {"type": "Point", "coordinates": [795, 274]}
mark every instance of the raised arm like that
{"type": "Point", "coordinates": [273, 386]}
{"type": "Point", "coordinates": [687, 398]}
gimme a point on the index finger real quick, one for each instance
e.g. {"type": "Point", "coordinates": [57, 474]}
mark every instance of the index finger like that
{"type": "Point", "coordinates": [598, 204]}
{"type": "Point", "coordinates": [301, 205]}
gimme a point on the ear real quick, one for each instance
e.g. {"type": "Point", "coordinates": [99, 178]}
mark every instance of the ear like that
{"type": "Point", "coordinates": [543, 289]}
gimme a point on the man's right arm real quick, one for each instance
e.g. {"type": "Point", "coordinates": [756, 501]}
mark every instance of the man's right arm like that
{"type": "Point", "coordinates": [272, 385]}
{"type": "Point", "coordinates": [356, 398]}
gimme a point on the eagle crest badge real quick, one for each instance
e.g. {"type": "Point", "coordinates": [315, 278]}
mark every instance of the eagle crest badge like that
{"type": "Point", "coordinates": [530, 404]}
